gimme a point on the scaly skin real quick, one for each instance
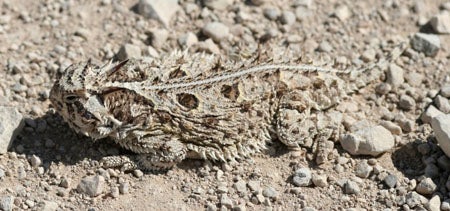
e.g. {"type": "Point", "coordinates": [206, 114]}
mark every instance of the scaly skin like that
{"type": "Point", "coordinates": [197, 106]}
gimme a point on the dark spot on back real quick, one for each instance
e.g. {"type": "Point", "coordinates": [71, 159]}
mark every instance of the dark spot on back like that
{"type": "Point", "coordinates": [187, 100]}
{"type": "Point", "coordinates": [230, 92]}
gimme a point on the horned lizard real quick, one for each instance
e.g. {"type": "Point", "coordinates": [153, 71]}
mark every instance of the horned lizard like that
{"type": "Point", "coordinates": [200, 106]}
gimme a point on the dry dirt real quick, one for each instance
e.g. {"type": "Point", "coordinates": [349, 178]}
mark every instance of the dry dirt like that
{"type": "Point", "coordinates": [40, 38]}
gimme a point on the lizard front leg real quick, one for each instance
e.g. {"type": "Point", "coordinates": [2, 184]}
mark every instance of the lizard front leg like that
{"type": "Point", "coordinates": [154, 153]}
{"type": "Point", "coordinates": [301, 125]}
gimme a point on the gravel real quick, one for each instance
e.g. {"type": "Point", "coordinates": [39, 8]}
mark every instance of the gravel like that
{"type": "Point", "coordinates": [42, 167]}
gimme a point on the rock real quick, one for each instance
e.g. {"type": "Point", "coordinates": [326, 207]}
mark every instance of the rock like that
{"type": "Point", "coordinates": [351, 187]}
{"type": "Point", "coordinates": [91, 185]}
{"type": "Point", "coordinates": [83, 33]}
{"type": "Point", "coordinates": [392, 127]}
{"type": "Point", "coordinates": [271, 13]}
{"type": "Point", "coordinates": [302, 177]}
{"type": "Point", "coordinates": [208, 46]}
{"type": "Point", "coordinates": [325, 46]}
{"type": "Point", "coordinates": [2, 173]}
{"type": "Point", "coordinates": [124, 187]}
{"type": "Point", "coordinates": [287, 17]}
{"type": "Point", "coordinates": [383, 88]}
{"type": "Point", "coordinates": [372, 140]}
{"type": "Point", "coordinates": [11, 123]}
{"type": "Point", "coordinates": [138, 173]}
{"type": "Point", "coordinates": [368, 55]}
{"type": "Point", "coordinates": [161, 10]}
{"type": "Point", "coordinates": [255, 186]}
{"type": "Point", "coordinates": [414, 199]}
{"type": "Point", "coordinates": [35, 161]}
{"type": "Point", "coordinates": [65, 182]}
{"type": "Point", "coordinates": [342, 12]}
{"type": "Point", "coordinates": [430, 113]}
{"type": "Point", "coordinates": [445, 205]}
{"type": "Point", "coordinates": [406, 125]}
{"type": "Point", "coordinates": [428, 44]}
{"type": "Point", "coordinates": [48, 205]}
{"type": "Point", "coordinates": [441, 23]}
{"type": "Point", "coordinates": [159, 37]}
{"type": "Point", "coordinates": [426, 186]}
{"type": "Point", "coordinates": [129, 51]}
{"type": "Point", "coordinates": [240, 186]}
{"type": "Point", "coordinates": [442, 103]}
{"type": "Point", "coordinates": [226, 201]}
{"type": "Point", "coordinates": [188, 39]}
{"type": "Point", "coordinates": [216, 31]}
{"type": "Point", "coordinates": [319, 180]}
{"type": "Point", "coordinates": [445, 91]}
{"type": "Point", "coordinates": [394, 75]}
{"type": "Point", "coordinates": [270, 192]}
{"type": "Point", "coordinates": [7, 203]}
{"type": "Point", "coordinates": [258, 2]}
{"type": "Point", "coordinates": [303, 3]}
{"type": "Point", "coordinates": [217, 4]}
{"type": "Point", "coordinates": [406, 102]}
{"type": "Point", "coordinates": [441, 127]}
{"type": "Point", "coordinates": [390, 180]}
{"type": "Point", "coordinates": [433, 204]}
{"type": "Point", "coordinates": [363, 169]}
{"type": "Point", "coordinates": [114, 192]}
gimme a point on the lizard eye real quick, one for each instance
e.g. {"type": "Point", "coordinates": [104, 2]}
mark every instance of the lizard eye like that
{"type": "Point", "coordinates": [71, 98]}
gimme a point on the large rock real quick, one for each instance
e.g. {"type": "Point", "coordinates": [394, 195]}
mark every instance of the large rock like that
{"type": "Point", "coordinates": [92, 185]}
{"type": "Point", "coordinates": [441, 23]}
{"type": "Point", "coordinates": [161, 10]}
{"type": "Point", "coordinates": [11, 123]}
{"type": "Point", "coordinates": [372, 140]}
{"type": "Point", "coordinates": [429, 44]}
{"type": "Point", "coordinates": [441, 127]}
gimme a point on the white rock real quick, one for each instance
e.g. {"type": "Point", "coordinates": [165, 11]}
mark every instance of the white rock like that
{"type": "Point", "coordinates": [426, 186]}
{"type": "Point", "coordinates": [188, 39]}
{"type": "Point", "coordinates": [216, 31]}
{"type": "Point", "coordinates": [441, 23]}
{"type": "Point", "coordinates": [372, 140]}
{"type": "Point", "coordinates": [161, 10]}
{"type": "Point", "coordinates": [434, 204]}
{"type": "Point", "coordinates": [91, 185]}
{"type": "Point", "coordinates": [159, 37]}
{"type": "Point", "coordinates": [342, 12]}
{"type": "Point", "coordinates": [129, 51]}
{"type": "Point", "coordinates": [217, 4]}
{"type": "Point", "coordinates": [394, 75]}
{"type": "Point", "coordinates": [430, 113]}
{"type": "Point", "coordinates": [441, 127]}
{"type": "Point", "coordinates": [445, 91]}
{"type": "Point", "coordinates": [442, 103]}
{"type": "Point", "coordinates": [11, 123]}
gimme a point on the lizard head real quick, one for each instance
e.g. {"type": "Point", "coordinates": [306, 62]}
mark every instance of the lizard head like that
{"type": "Point", "coordinates": [76, 97]}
